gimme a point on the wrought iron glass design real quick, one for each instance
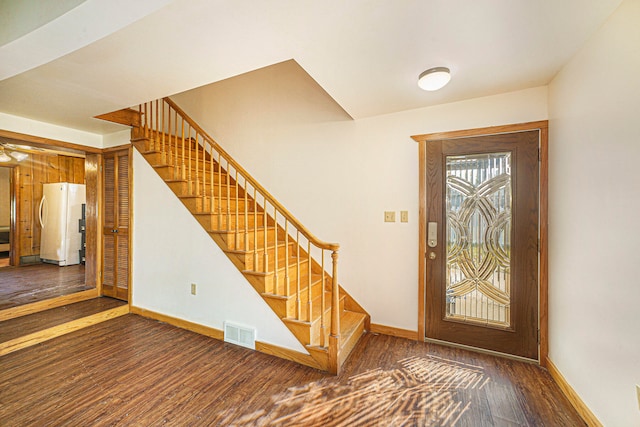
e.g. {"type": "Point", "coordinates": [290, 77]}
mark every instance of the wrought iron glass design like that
{"type": "Point", "coordinates": [478, 238]}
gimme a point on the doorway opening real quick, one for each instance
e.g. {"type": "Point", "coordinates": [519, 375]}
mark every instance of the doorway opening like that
{"type": "Point", "coordinates": [33, 165]}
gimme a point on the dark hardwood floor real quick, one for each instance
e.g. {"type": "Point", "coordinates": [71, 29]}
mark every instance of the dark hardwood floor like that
{"type": "Point", "coordinates": [39, 282]}
{"type": "Point", "coordinates": [135, 371]}
{"type": "Point", "coordinates": [21, 326]}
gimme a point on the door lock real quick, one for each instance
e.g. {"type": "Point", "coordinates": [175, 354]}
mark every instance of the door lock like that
{"type": "Point", "coordinates": [432, 255]}
{"type": "Point", "coordinates": [432, 234]}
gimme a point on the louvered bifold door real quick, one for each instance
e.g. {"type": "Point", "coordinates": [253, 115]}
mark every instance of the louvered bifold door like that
{"type": "Point", "coordinates": [115, 259]}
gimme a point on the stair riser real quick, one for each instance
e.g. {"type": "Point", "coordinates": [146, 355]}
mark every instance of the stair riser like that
{"type": "Point", "coordinates": [157, 154]}
{"type": "Point", "coordinates": [174, 182]}
{"type": "Point", "coordinates": [198, 176]}
{"type": "Point", "coordinates": [200, 204]}
{"type": "Point", "coordinates": [224, 221]}
{"type": "Point", "coordinates": [157, 157]}
{"type": "Point", "coordinates": [293, 273]}
{"type": "Point", "coordinates": [153, 142]}
{"type": "Point", "coordinates": [303, 332]}
{"type": "Point", "coordinates": [310, 334]}
{"type": "Point", "coordinates": [248, 257]}
{"type": "Point", "coordinates": [269, 283]}
{"type": "Point", "coordinates": [167, 171]}
{"type": "Point", "coordinates": [219, 191]}
{"type": "Point", "coordinates": [254, 239]}
{"type": "Point", "coordinates": [287, 307]}
{"type": "Point", "coordinates": [303, 314]}
{"type": "Point", "coordinates": [257, 263]}
{"type": "Point", "coordinates": [221, 203]}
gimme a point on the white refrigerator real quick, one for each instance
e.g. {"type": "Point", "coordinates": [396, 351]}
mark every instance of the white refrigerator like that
{"type": "Point", "coordinates": [60, 212]}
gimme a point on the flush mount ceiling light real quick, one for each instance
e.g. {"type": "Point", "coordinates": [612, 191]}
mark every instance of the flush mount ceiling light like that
{"type": "Point", "coordinates": [434, 78]}
{"type": "Point", "coordinates": [18, 155]}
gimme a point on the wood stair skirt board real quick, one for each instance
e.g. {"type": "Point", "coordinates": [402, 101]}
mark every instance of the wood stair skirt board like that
{"type": "Point", "coordinates": [262, 347]}
{"type": "Point", "coordinates": [280, 267]}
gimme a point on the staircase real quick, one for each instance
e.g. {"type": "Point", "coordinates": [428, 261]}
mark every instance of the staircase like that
{"type": "Point", "coordinates": [293, 271]}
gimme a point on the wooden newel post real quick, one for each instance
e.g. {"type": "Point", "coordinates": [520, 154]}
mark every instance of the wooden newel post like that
{"type": "Point", "coordinates": [334, 336]}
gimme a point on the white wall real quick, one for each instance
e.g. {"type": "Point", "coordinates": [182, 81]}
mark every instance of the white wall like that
{"type": "Point", "coordinates": [47, 130]}
{"type": "Point", "coordinates": [338, 176]}
{"type": "Point", "coordinates": [594, 299]}
{"type": "Point", "coordinates": [115, 139]}
{"type": "Point", "coordinates": [171, 250]}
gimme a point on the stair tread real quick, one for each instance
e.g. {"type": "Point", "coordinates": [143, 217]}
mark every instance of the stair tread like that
{"type": "Point", "coordinates": [350, 321]}
{"type": "Point", "coordinates": [315, 300]}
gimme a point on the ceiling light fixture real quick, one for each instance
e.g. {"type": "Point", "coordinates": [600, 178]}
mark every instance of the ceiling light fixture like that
{"type": "Point", "coordinates": [18, 155]}
{"type": "Point", "coordinates": [3, 156]}
{"type": "Point", "coordinates": [434, 78]}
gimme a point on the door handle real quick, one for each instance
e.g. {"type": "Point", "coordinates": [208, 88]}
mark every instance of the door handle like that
{"type": "Point", "coordinates": [432, 234]}
{"type": "Point", "coordinates": [40, 209]}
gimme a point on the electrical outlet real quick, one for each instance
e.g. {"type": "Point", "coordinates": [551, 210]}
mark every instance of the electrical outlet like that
{"type": "Point", "coordinates": [389, 216]}
{"type": "Point", "coordinates": [638, 393]}
{"type": "Point", "coordinates": [193, 289]}
{"type": "Point", "coordinates": [404, 216]}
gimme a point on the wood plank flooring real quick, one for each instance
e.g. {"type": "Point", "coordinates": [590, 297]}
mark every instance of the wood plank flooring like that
{"type": "Point", "coordinates": [39, 282]}
{"type": "Point", "coordinates": [20, 326]}
{"type": "Point", "coordinates": [135, 371]}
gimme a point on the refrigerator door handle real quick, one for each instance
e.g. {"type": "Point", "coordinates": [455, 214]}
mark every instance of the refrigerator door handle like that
{"type": "Point", "coordinates": [40, 210]}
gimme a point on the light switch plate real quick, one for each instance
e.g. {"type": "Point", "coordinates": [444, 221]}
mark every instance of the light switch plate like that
{"type": "Point", "coordinates": [404, 216]}
{"type": "Point", "coordinates": [638, 393]}
{"type": "Point", "coordinates": [193, 289]}
{"type": "Point", "coordinates": [389, 216]}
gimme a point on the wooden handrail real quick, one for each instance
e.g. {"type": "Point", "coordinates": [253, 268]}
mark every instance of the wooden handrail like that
{"type": "Point", "coordinates": [254, 183]}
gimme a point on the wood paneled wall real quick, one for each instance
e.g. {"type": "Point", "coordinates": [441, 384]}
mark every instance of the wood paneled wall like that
{"type": "Point", "coordinates": [40, 169]}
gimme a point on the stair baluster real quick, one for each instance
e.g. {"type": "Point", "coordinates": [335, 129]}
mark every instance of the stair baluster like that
{"type": "Point", "coordinates": [196, 190]}
{"type": "Point", "coordinates": [163, 155]}
{"type": "Point", "coordinates": [157, 128]}
{"type": "Point", "coordinates": [298, 301]}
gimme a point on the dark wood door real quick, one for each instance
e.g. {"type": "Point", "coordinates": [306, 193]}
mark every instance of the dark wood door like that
{"type": "Point", "coordinates": [482, 242]}
{"type": "Point", "coordinates": [115, 230]}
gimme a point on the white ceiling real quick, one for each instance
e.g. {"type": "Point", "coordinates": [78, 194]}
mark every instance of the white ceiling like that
{"type": "Point", "coordinates": [104, 55]}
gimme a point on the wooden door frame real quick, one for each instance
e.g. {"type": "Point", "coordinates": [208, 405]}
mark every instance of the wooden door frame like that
{"type": "Point", "coordinates": [14, 191]}
{"type": "Point", "coordinates": [129, 148]}
{"type": "Point", "coordinates": [93, 159]}
{"type": "Point", "coordinates": [542, 127]}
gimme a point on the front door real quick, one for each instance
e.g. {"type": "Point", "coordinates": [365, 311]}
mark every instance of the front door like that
{"type": "Point", "coordinates": [482, 214]}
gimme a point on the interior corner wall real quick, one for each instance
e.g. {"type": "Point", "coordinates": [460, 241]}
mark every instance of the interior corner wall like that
{"type": "Point", "coordinates": [171, 251]}
{"type": "Point", "coordinates": [339, 176]}
{"type": "Point", "coordinates": [594, 219]}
